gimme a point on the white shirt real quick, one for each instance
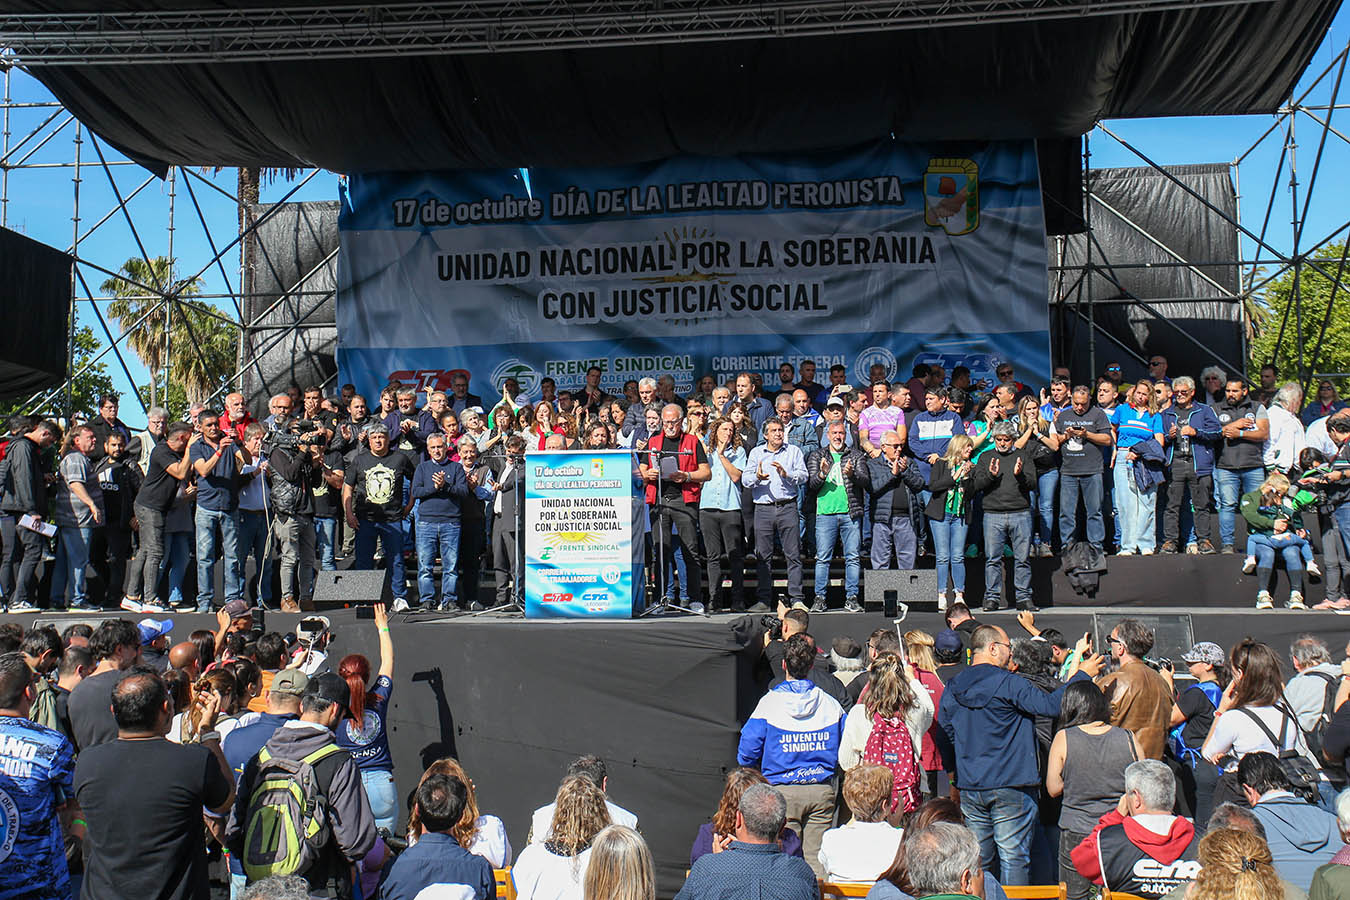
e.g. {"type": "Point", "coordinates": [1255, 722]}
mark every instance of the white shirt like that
{"type": "Point", "coordinates": [490, 842]}
{"type": "Point", "coordinates": [541, 823]}
{"type": "Point", "coordinates": [1316, 437]}
{"type": "Point", "coordinates": [1286, 439]}
{"type": "Point", "coordinates": [858, 851]}
{"type": "Point", "coordinates": [541, 875]}
{"type": "Point", "coordinates": [1236, 733]}
{"type": "Point", "coordinates": [858, 728]}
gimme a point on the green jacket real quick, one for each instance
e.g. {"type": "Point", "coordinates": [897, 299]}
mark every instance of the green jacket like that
{"type": "Point", "coordinates": [1261, 519]}
{"type": "Point", "coordinates": [1330, 882]}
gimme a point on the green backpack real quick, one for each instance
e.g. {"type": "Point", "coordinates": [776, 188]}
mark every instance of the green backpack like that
{"type": "Point", "coordinates": [287, 825]}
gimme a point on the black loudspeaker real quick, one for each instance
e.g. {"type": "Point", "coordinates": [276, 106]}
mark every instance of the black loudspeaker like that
{"type": "Point", "coordinates": [893, 586]}
{"type": "Point", "coordinates": [354, 587]}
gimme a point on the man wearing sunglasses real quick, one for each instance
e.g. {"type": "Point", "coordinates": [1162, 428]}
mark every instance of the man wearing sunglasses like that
{"type": "Point", "coordinates": [1191, 432]}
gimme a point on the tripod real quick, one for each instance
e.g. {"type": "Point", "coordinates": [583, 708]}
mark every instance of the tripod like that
{"type": "Point", "coordinates": [666, 606]}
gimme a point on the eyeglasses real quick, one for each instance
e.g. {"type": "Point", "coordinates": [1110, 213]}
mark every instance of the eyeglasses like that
{"type": "Point", "coordinates": [1156, 362]}
{"type": "Point", "coordinates": [1113, 368]}
{"type": "Point", "coordinates": [890, 445]}
{"type": "Point", "coordinates": [1000, 644]}
{"type": "Point", "coordinates": [1005, 372]}
{"type": "Point", "coordinates": [1115, 640]}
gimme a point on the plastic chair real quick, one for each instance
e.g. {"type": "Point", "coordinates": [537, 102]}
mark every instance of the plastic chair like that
{"type": "Point", "coordinates": [1119, 895]}
{"type": "Point", "coordinates": [832, 890]}
{"type": "Point", "coordinates": [1037, 891]}
{"type": "Point", "coordinates": [506, 888]}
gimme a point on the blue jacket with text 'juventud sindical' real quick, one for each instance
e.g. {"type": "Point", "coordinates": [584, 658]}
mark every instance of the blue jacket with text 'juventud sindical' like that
{"type": "Point", "coordinates": [793, 734]}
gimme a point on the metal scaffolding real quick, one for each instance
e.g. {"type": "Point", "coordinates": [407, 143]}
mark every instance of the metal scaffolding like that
{"type": "Point", "coordinates": [48, 125]}
{"type": "Point", "coordinates": [1260, 261]}
{"type": "Point", "coordinates": [439, 27]}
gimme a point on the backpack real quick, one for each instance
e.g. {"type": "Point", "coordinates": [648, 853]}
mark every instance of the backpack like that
{"type": "Point", "coordinates": [891, 745]}
{"type": "Point", "coordinates": [1191, 755]}
{"type": "Point", "coordinates": [287, 825]}
{"type": "Point", "coordinates": [1302, 775]}
{"type": "Point", "coordinates": [1314, 735]}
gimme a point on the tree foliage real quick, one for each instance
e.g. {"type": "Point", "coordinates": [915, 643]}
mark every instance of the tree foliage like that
{"type": "Point", "coordinates": [1276, 303]}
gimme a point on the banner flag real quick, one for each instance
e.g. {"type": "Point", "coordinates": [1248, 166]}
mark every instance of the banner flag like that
{"type": "Point", "coordinates": [888, 256]}
{"type": "Point", "coordinates": [578, 534]}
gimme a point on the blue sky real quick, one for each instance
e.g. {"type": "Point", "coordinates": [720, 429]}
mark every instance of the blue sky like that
{"type": "Point", "coordinates": [41, 200]}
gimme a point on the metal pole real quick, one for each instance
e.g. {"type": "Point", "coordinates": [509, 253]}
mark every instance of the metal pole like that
{"type": "Point", "coordinates": [1298, 265]}
{"type": "Point", "coordinates": [168, 307]}
{"type": "Point", "coordinates": [4, 154]}
{"type": "Point", "coordinates": [75, 223]}
{"type": "Point", "coordinates": [1087, 259]}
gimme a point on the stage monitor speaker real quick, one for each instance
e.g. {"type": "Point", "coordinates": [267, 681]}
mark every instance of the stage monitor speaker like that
{"type": "Point", "coordinates": [895, 586]}
{"type": "Point", "coordinates": [1173, 634]}
{"type": "Point", "coordinates": [353, 587]}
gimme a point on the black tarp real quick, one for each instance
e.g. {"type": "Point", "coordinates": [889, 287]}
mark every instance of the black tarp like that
{"type": "Point", "coordinates": [35, 302]}
{"type": "Point", "coordinates": [1041, 79]}
{"type": "Point", "coordinates": [1145, 223]}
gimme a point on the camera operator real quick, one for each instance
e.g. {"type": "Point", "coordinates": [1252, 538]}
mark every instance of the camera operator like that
{"type": "Point", "coordinates": [296, 460]}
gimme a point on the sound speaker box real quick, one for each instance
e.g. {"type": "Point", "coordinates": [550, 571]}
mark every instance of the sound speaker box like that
{"type": "Point", "coordinates": [894, 586]}
{"type": "Point", "coordinates": [354, 587]}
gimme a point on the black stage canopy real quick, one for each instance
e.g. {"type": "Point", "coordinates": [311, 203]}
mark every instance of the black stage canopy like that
{"type": "Point", "coordinates": [35, 300]}
{"type": "Point", "coordinates": [352, 109]}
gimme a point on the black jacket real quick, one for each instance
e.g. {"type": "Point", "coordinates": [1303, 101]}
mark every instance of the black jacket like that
{"type": "Point", "coordinates": [878, 481]}
{"type": "Point", "coordinates": [940, 482]}
{"type": "Point", "coordinates": [120, 482]}
{"type": "Point", "coordinates": [1006, 491]}
{"type": "Point", "coordinates": [852, 483]}
{"type": "Point", "coordinates": [293, 479]}
{"type": "Point", "coordinates": [21, 483]}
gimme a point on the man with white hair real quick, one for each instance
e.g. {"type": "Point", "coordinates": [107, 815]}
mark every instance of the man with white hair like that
{"type": "Point", "coordinates": [1140, 847]}
{"type": "Point", "coordinates": [1312, 691]}
{"type": "Point", "coordinates": [753, 865]}
{"type": "Point", "coordinates": [676, 461]}
{"type": "Point", "coordinates": [943, 860]}
{"type": "Point", "coordinates": [1286, 439]}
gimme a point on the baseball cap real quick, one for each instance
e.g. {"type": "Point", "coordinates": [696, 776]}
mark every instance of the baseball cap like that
{"type": "Point", "coordinates": [152, 629]}
{"type": "Point", "coordinates": [238, 609]}
{"type": "Point", "coordinates": [291, 682]}
{"type": "Point", "coordinates": [836, 400]}
{"type": "Point", "coordinates": [947, 642]}
{"type": "Point", "coordinates": [330, 688]}
{"type": "Point", "coordinates": [1204, 652]}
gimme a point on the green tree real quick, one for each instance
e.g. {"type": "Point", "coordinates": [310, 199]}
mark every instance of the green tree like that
{"type": "Point", "coordinates": [201, 345]}
{"type": "Point", "coordinates": [1276, 304]}
{"type": "Point", "coordinates": [88, 386]}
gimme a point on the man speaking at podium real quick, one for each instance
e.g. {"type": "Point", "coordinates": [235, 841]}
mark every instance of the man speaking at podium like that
{"type": "Point", "coordinates": [679, 463]}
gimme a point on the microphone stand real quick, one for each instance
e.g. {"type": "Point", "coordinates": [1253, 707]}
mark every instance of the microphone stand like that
{"type": "Point", "coordinates": [515, 608]}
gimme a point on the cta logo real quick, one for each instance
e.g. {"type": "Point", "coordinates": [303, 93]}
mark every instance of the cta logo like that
{"type": "Point", "coordinates": [425, 381]}
{"type": "Point", "coordinates": [557, 597]}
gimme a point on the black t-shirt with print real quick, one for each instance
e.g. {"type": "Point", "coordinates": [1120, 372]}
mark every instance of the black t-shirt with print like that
{"type": "Point", "coordinates": [327, 501]}
{"type": "Point", "coordinates": [378, 483]}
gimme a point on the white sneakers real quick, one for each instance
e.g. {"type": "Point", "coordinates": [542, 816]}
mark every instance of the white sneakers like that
{"type": "Point", "coordinates": [1249, 565]}
{"type": "Point", "coordinates": [942, 602]}
{"type": "Point", "coordinates": [1312, 568]}
{"type": "Point", "coordinates": [1296, 600]}
{"type": "Point", "coordinates": [1264, 601]}
{"type": "Point", "coordinates": [132, 605]}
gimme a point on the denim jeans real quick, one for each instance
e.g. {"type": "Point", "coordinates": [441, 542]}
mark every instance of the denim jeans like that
{"type": "Point", "coordinates": [1137, 509]}
{"type": "Point", "coordinates": [1002, 820]}
{"type": "Point", "coordinates": [949, 546]}
{"type": "Point", "coordinates": [379, 785]}
{"type": "Point", "coordinates": [1264, 550]}
{"type": "Point", "coordinates": [177, 552]}
{"type": "Point", "coordinates": [209, 550]}
{"type": "Point", "coordinates": [1089, 487]}
{"type": "Point", "coordinates": [437, 539]}
{"type": "Point", "coordinates": [1047, 486]}
{"type": "Point", "coordinates": [1013, 528]}
{"type": "Point", "coordinates": [849, 533]}
{"type": "Point", "coordinates": [72, 559]}
{"type": "Point", "coordinates": [325, 538]}
{"type": "Point", "coordinates": [1229, 486]}
{"type": "Point", "coordinates": [391, 533]}
{"type": "Point", "coordinates": [1277, 543]}
{"type": "Point", "coordinates": [253, 539]}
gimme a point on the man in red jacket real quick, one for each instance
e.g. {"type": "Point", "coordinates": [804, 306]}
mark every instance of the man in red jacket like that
{"type": "Point", "coordinates": [1140, 847]}
{"type": "Point", "coordinates": [235, 418]}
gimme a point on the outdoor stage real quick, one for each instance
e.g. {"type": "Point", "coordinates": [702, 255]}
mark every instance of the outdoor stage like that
{"type": "Point", "coordinates": [662, 700]}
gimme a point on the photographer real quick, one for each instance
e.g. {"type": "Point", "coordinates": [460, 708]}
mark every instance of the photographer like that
{"type": "Point", "coordinates": [296, 460]}
{"type": "Point", "coordinates": [1141, 700]}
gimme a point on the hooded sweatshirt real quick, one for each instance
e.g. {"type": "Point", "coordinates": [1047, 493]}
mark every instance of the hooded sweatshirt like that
{"type": "Point", "coordinates": [1301, 836]}
{"type": "Point", "coordinates": [353, 825]}
{"type": "Point", "coordinates": [1163, 860]}
{"type": "Point", "coordinates": [988, 716]}
{"type": "Point", "coordinates": [793, 734]}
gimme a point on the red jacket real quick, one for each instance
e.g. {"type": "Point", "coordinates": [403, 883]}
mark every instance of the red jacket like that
{"type": "Point", "coordinates": [1165, 849]}
{"type": "Point", "coordinates": [237, 427]}
{"type": "Point", "coordinates": [686, 461]}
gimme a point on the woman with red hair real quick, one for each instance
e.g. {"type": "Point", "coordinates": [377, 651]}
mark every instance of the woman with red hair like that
{"type": "Point", "coordinates": [365, 734]}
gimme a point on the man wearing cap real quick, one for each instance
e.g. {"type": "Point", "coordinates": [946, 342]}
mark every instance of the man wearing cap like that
{"type": "Point", "coordinates": [836, 410]}
{"type": "Point", "coordinates": [1006, 477]}
{"type": "Point", "coordinates": [323, 705]}
{"type": "Point", "coordinates": [155, 642]}
{"type": "Point", "coordinates": [372, 499]}
{"type": "Point", "coordinates": [232, 617]}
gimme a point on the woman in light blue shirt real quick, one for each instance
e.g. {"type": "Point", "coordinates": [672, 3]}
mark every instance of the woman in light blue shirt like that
{"type": "Point", "coordinates": [1133, 423]}
{"type": "Point", "coordinates": [719, 511]}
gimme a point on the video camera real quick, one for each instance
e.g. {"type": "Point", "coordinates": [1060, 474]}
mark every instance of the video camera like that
{"type": "Point", "coordinates": [293, 434]}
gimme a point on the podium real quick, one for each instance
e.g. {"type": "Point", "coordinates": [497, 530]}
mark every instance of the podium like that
{"type": "Point", "coordinates": [580, 518]}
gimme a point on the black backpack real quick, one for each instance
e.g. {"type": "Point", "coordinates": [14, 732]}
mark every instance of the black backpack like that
{"type": "Point", "coordinates": [1303, 776]}
{"type": "Point", "coordinates": [1315, 734]}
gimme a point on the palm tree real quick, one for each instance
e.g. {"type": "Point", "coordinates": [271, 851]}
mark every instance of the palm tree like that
{"type": "Point", "coordinates": [200, 343]}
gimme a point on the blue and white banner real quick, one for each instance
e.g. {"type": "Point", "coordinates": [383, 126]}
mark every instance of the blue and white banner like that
{"type": "Point", "coordinates": [895, 254]}
{"type": "Point", "coordinates": [579, 534]}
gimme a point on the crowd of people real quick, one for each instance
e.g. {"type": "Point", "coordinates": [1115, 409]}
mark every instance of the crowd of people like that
{"type": "Point", "coordinates": [733, 475]}
{"type": "Point", "coordinates": [917, 764]}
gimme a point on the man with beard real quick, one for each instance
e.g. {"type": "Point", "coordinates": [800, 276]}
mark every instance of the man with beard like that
{"type": "Point", "coordinates": [372, 501]}
{"type": "Point", "coordinates": [120, 479]}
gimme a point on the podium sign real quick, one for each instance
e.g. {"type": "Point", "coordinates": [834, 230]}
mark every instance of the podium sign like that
{"type": "Point", "coordinates": [578, 534]}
